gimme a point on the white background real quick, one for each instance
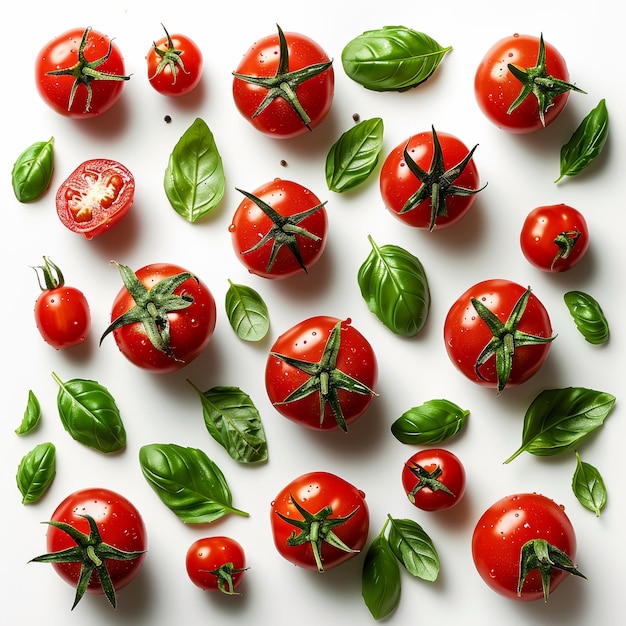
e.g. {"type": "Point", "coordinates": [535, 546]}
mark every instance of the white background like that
{"type": "Point", "coordinates": [520, 171]}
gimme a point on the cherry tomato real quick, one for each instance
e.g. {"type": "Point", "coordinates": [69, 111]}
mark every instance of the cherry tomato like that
{"type": "Point", "coordinates": [95, 197]}
{"type": "Point", "coordinates": [554, 238]}
{"type": "Point", "coordinates": [430, 180]}
{"type": "Point", "coordinates": [497, 333]}
{"type": "Point", "coordinates": [321, 373]}
{"type": "Point", "coordinates": [511, 87]}
{"type": "Point", "coordinates": [279, 230]}
{"type": "Point", "coordinates": [80, 73]}
{"type": "Point", "coordinates": [163, 317]}
{"type": "Point", "coordinates": [216, 564]}
{"type": "Point", "coordinates": [284, 85]}
{"type": "Point", "coordinates": [434, 479]}
{"type": "Point", "coordinates": [319, 521]}
{"type": "Point", "coordinates": [105, 533]}
{"type": "Point", "coordinates": [509, 544]}
{"type": "Point", "coordinates": [174, 65]}
{"type": "Point", "coordinates": [62, 313]}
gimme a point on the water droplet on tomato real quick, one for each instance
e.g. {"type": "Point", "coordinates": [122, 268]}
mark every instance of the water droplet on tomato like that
{"type": "Point", "coordinates": [232, 228]}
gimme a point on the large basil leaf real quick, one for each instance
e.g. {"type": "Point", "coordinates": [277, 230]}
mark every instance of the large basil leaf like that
{"type": "Point", "coordinates": [32, 172]}
{"type": "Point", "coordinates": [353, 157]}
{"type": "Point", "coordinates": [380, 578]}
{"type": "Point", "coordinates": [189, 483]}
{"type": "Point", "coordinates": [32, 415]}
{"type": "Point", "coordinates": [432, 422]}
{"type": "Point", "coordinates": [588, 486]}
{"type": "Point", "coordinates": [558, 419]}
{"type": "Point", "coordinates": [247, 312]}
{"type": "Point", "coordinates": [89, 414]}
{"type": "Point", "coordinates": [588, 316]}
{"type": "Point", "coordinates": [394, 286]}
{"type": "Point", "coordinates": [414, 548]}
{"type": "Point", "coordinates": [234, 422]}
{"type": "Point", "coordinates": [392, 58]}
{"type": "Point", "coordinates": [36, 472]}
{"type": "Point", "coordinates": [194, 178]}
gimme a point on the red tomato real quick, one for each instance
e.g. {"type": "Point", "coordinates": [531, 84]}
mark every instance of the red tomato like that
{"type": "Point", "coordinates": [321, 373]}
{"type": "Point", "coordinates": [497, 333]}
{"type": "Point", "coordinates": [429, 180]}
{"type": "Point", "coordinates": [80, 73]}
{"type": "Point", "coordinates": [174, 65]}
{"type": "Point", "coordinates": [279, 230]}
{"type": "Point", "coordinates": [525, 102]}
{"type": "Point", "coordinates": [216, 564]}
{"type": "Point", "coordinates": [434, 479]}
{"type": "Point", "coordinates": [284, 85]}
{"type": "Point", "coordinates": [319, 521]}
{"type": "Point", "coordinates": [106, 533]}
{"type": "Point", "coordinates": [508, 541]}
{"type": "Point", "coordinates": [95, 197]}
{"type": "Point", "coordinates": [62, 313]}
{"type": "Point", "coordinates": [554, 238]}
{"type": "Point", "coordinates": [163, 317]}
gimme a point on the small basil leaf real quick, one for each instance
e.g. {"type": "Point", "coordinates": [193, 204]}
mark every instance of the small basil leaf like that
{"type": "Point", "coordinates": [380, 579]}
{"type": "Point", "coordinates": [194, 178]}
{"type": "Point", "coordinates": [32, 172]}
{"type": "Point", "coordinates": [414, 548]}
{"type": "Point", "coordinates": [588, 316]}
{"type": "Point", "coordinates": [588, 486]}
{"type": "Point", "coordinates": [247, 312]}
{"type": "Point", "coordinates": [32, 415]}
{"type": "Point", "coordinates": [353, 157]}
{"type": "Point", "coordinates": [432, 422]}
{"type": "Point", "coordinates": [36, 472]}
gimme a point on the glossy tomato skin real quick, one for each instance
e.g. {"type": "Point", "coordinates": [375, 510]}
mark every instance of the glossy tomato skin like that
{"type": "Point", "coordinates": [306, 340]}
{"type": "Point", "coordinates": [496, 88]}
{"type": "Point", "coordinates": [62, 52]}
{"type": "Point", "coordinates": [446, 468]}
{"type": "Point", "coordinates": [466, 334]}
{"type": "Point", "coordinates": [208, 554]}
{"type": "Point", "coordinates": [398, 183]}
{"type": "Point", "coordinates": [191, 328]}
{"type": "Point", "coordinates": [63, 317]}
{"type": "Point", "coordinates": [279, 120]}
{"type": "Point", "coordinates": [314, 491]}
{"type": "Point", "coordinates": [505, 527]}
{"type": "Point", "coordinates": [250, 224]}
{"type": "Point", "coordinates": [544, 227]}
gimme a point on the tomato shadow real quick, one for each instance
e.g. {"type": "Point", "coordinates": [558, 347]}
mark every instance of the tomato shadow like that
{"type": "Point", "coordinates": [115, 243]}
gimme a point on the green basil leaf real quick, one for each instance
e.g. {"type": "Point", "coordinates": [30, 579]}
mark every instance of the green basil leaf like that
{"type": "Point", "coordinates": [394, 286]}
{"type": "Point", "coordinates": [189, 483]}
{"type": "Point", "coordinates": [392, 58]}
{"type": "Point", "coordinates": [588, 316]}
{"type": "Point", "coordinates": [32, 172]}
{"type": "Point", "coordinates": [586, 143]}
{"type": "Point", "coordinates": [36, 472]}
{"type": "Point", "coordinates": [353, 157]}
{"type": "Point", "coordinates": [194, 178]}
{"type": "Point", "coordinates": [32, 415]}
{"type": "Point", "coordinates": [558, 419]}
{"type": "Point", "coordinates": [247, 312]}
{"type": "Point", "coordinates": [89, 414]}
{"type": "Point", "coordinates": [380, 579]}
{"type": "Point", "coordinates": [234, 422]}
{"type": "Point", "coordinates": [414, 548]}
{"type": "Point", "coordinates": [432, 422]}
{"type": "Point", "coordinates": [588, 486]}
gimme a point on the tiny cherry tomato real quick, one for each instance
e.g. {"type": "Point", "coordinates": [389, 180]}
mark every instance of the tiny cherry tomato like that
{"type": "Point", "coordinates": [434, 479]}
{"type": "Point", "coordinates": [554, 238]}
{"type": "Point", "coordinates": [216, 564]}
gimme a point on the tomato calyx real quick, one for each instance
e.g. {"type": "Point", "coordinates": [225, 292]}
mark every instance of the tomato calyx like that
{"type": "Point", "coordinates": [52, 275]}
{"type": "Point", "coordinates": [170, 57]}
{"type": "Point", "coordinates": [426, 478]}
{"type": "Point", "coordinates": [565, 242]}
{"type": "Point", "coordinates": [91, 552]}
{"type": "Point", "coordinates": [536, 81]}
{"type": "Point", "coordinates": [437, 182]}
{"type": "Point", "coordinates": [224, 575]}
{"type": "Point", "coordinates": [285, 83]}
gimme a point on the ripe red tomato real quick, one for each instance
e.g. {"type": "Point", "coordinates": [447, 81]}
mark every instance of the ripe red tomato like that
{"type": "Point", "coordinates": [80, 73]}
{"type": "Point", "coordinates": [105, 534]}
{"type": "Point", "coordinates": [497, 333]}
{"type": "Point", "coordinates": [434, 479]}
{"type": "Point", "coordinates": [319, 521]}
{"type": "Point", "coordinates": [510, 85]}
{"type": "Point", "coordinates": [554, 238]}
{"type": "Point", "coordinates": [509, 541]}
{"type": "Point", "coordinates": [216, 564]}
{"type": "Point", "coordinates": [430, 180]}
{"type": "Point", "coordinates": [95, 197]}
{"type": "Point", "coordinates": [62, 313]}
{"type": "Point", "coordinates": [284, 85]}
{"type": "Point", "coordinates": [163, 317]}
{"type": "Point", "coordinates": [321, 373]}
{"type": "Point", "coordinates": [279, 230]}
{"type": "Point", "coordinates": [174, 65]}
